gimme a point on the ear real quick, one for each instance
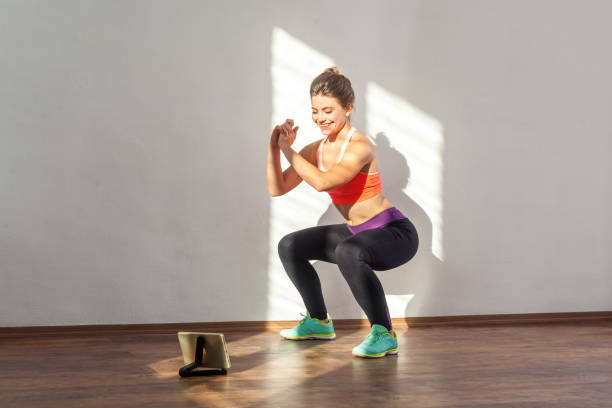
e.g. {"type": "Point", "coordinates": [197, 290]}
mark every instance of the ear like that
{"type": "Point", "coordinates": [349, 108]}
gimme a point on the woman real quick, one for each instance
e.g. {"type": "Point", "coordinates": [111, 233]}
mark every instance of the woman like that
{"type": "Point", "coordinates": [376, 235]}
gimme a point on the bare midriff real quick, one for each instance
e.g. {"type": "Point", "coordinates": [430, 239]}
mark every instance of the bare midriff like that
{"type": "Point", "coordinates": [360, 212]}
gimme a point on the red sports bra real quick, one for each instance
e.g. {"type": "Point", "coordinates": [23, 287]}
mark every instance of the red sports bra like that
{"type": "Point", "coordinates": [361, 187]}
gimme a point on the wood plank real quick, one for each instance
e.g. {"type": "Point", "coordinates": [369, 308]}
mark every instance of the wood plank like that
{"type": "Point", "coordinates": [527, 365]}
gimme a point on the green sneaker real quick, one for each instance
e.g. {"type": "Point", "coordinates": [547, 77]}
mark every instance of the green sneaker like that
{"type": "Point", "coordinates": [310, 328]}
{"type": "Point", "coordinates": [379, 343]}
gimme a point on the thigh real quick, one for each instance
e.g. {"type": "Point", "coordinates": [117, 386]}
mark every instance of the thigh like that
{"type": "Point", "coordinates": [388, 247]}
{"type": "Point", "coordinates": [317, 243]}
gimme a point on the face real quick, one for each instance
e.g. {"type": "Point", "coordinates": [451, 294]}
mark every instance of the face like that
{"type": "Point", "coordinates": [328, 114]}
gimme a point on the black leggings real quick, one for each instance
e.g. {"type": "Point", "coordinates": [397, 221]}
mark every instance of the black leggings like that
{"type": "Point", "coordinates": [356, 255]}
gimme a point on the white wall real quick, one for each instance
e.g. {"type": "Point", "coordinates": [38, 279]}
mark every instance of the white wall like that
{"type": "Point", "coordinates": [133, 141]}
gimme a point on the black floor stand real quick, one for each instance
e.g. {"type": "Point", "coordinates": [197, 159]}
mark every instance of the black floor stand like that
{"type": "Point", "coordinates": [191, 370]}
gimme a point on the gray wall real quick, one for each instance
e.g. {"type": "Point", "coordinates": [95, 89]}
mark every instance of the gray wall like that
{"type": "Point", "coordinates": [134, 138]}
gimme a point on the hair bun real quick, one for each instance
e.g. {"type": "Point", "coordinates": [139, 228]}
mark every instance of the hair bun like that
{"type": "Point", "coordinates": [335, 70]}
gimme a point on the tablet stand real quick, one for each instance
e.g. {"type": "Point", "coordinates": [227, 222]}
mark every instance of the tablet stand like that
{"type": "Point", "coordinates": [191, 370]}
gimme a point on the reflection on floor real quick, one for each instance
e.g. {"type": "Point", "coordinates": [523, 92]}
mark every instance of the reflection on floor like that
{"type": "Point", "coordinates": [567, 365]}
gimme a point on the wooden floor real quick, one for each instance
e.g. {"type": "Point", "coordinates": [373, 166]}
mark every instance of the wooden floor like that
{"type": "Point", "coordinates": [550, 365]}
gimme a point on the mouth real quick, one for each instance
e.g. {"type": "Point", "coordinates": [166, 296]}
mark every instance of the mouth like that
{"type": "Point", "coordinates": [326, 125]}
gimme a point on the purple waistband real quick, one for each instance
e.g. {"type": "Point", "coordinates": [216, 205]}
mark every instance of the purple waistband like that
{"type": "Point", "coordinates": [380, 220]}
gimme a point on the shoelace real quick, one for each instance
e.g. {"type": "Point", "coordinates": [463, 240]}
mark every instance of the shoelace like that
{"type": "Point", "coordinates": [375, 337]}
{"type": "Point", "coordinates": [304, 319]}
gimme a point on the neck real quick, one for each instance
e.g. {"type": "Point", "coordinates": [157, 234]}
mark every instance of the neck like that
{"type": "Point", "coordinates": [341, 135]}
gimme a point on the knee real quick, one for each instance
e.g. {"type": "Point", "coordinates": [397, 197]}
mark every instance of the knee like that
{"type": "Point", "coordinates": [287, 246]}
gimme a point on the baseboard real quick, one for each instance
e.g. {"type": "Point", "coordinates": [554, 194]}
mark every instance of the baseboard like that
{"type": "Point", "coordinates": [256, 326]}
{"type": "Point", "coordinates": [505, 319]}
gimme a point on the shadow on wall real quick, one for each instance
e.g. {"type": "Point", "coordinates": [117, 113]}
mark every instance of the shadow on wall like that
{"type": "Point", "coordinates": [407, 283]}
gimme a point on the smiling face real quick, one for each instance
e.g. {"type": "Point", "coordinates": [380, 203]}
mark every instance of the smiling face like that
{"type": "Point", "coordinates": [328, 114]}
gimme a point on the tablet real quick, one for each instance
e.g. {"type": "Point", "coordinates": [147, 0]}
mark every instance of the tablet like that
{"type": "Point", "coordinates": [214, 353]}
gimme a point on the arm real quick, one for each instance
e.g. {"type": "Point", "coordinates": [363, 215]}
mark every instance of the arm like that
{"type": "Point", "coordinates": [281, 182]}
{"type": "Point", "coordinates": [274, 174]}
{"type": "Point", "coordinates": [355, 158]}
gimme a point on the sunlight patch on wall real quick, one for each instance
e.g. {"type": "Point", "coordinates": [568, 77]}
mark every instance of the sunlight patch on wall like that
{"type": "Point", "coordinates": [419, 138]}
{"type": "Point", "coordinates": [397, 304]}
{"type": "Point", "coordinates": [293, 67]}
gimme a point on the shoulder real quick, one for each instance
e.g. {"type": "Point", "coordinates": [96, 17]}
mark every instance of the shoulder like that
{"type": "Point", "coordinates": [361, 138]}
{"type": "Point", "coordinates": [309, 152]}
{"type": "Point", "coordinates": [361, 144]}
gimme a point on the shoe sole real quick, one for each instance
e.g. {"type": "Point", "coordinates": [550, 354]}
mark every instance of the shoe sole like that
{"type": "Point", "coordinates": [310, 337]}
{"type": "Point", "coordinates": [378, 355]}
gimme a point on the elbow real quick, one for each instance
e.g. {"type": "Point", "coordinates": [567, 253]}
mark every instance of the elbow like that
{"type": "Point", "coordinates": [324, 184]}
{"type": "Point", "coordinates": [275, 190]}
{"type": "Point", "coordinates": [319, 182]}
{"type": "Point", "coordinates": [317, 185]}
{"type": "Point", "coordinates": [275, 193]}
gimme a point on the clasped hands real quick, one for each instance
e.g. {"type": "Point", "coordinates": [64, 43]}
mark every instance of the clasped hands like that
{"type": "Point", "coordinates": [284, 135]}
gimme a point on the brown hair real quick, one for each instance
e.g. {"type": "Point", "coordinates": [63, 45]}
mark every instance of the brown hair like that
{"type": "Point", "coordinates": [332, 83]}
